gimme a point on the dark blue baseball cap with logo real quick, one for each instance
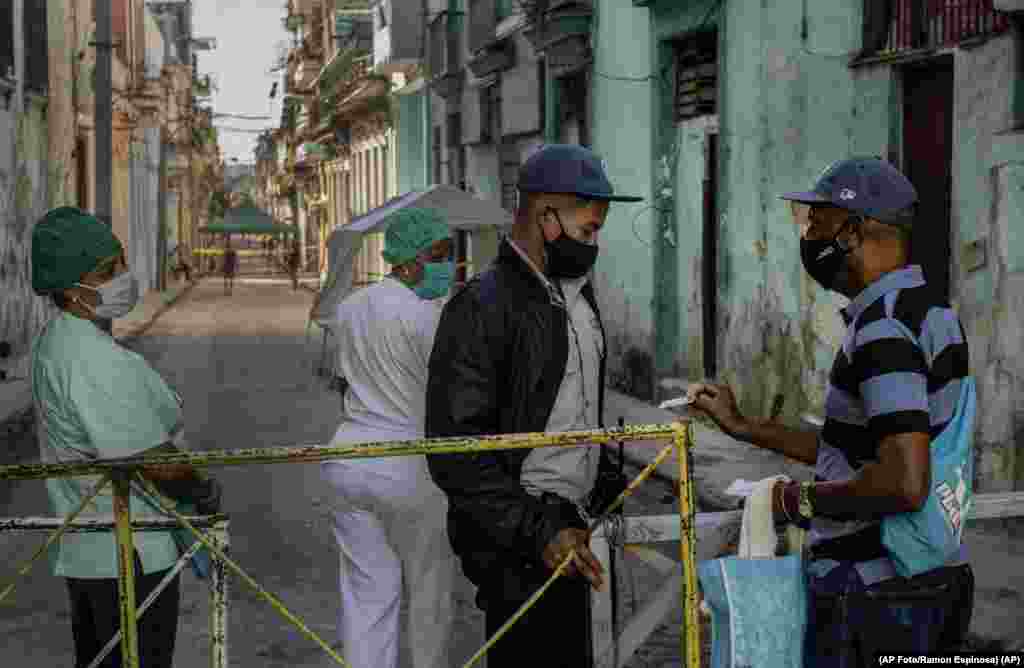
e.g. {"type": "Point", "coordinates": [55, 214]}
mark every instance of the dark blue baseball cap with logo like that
{"type": "Point", "coordinates": [569, 169]}
{"type": "Point", "coordinates": [868, 186]}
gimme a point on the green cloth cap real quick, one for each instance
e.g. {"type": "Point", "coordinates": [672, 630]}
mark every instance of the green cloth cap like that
{"type": "Point", "coordinates": [68, 243]}
{"type": "Point", "coordinates": [410, 231]}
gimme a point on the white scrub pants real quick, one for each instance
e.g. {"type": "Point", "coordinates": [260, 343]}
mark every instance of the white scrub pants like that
{"type": "Point", "coordinates": [390, 524]}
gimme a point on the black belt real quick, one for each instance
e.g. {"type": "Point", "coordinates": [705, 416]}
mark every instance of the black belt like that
{"type": "Point", "coordinates": [863, 545]}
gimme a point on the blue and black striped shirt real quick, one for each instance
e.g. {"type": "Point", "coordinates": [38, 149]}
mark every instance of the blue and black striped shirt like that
{"type": "Point", "coordinates": [900, 370]}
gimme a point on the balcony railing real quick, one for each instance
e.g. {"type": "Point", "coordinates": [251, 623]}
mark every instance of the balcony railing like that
{"type": "Point", "coordinates": [894, 26]}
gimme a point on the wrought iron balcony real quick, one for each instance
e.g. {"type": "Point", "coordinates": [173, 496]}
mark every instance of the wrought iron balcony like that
{"type": "Point", "coordinates": [892, 27]}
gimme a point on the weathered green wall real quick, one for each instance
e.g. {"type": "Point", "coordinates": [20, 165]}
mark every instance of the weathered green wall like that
{"type": "Point", "coordinates": [411, 141]}
{"type": "Point", "coordinates": [621, 128]}
{"type": "Point", "coordinates": [988, 197]}
{"type": "Point", "coordinates": [23, 183]}
{"type": "Point", "coordinates": [787, 109]}
{"type": "Point", "coordinates": [679, 160]}
{"type": "Point", "coordinates": [789, 105]}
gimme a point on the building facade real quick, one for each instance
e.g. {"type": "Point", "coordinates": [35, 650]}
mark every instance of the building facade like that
{"type": "Point", "coordinates": [729, 105]}
{"type": "Point", "coordinates": [48, 148]}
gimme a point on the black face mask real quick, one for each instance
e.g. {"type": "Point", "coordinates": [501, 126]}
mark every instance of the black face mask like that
{"type": "Point", "coordinates": [568, 258]}
{"type": "Point", "coordinates": [823, 258]}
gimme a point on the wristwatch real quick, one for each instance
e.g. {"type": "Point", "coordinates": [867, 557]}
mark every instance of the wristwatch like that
{"type": "Point", "coordinates": [806, 506]}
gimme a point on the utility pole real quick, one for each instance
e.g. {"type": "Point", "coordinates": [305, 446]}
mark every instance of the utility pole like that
{"type": "Point", "coordinates": [104, 112]}
{"type": "Point", "coordinates": [104, 119]}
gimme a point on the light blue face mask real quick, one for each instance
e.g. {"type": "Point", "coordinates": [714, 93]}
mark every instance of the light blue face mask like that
{"type": "Point", "coordinates": [437, 280]}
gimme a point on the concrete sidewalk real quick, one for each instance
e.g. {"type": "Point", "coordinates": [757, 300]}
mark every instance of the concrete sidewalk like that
{"type": "Point", "coordinates": [996, 547]}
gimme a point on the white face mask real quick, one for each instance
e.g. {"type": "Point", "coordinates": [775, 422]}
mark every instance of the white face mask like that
{"type": "Point", "coordinates": [118, 296]}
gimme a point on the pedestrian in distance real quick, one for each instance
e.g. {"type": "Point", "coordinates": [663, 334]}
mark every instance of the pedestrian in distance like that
{"type": "Point", "coordinates": [184, 264]}
{"type": "Point", "coordinates": [95, 399]}
{"type": "Point", "coordinates": [900, 384]}
{"type": "Point", "coordinates": [294, 264]}
{"type": "Point", "coordinates": [230, 268]}
{"type": "Point", "coordinates": [522, 349]}
{"type": "Point", "coordinates": [389, 516]}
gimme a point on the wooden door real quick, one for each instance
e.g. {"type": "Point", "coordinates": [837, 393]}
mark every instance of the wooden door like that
{"type": "Point", "coordinates": [927, 162]}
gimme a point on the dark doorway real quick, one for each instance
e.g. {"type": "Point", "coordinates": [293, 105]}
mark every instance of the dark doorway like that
{"type": "Point", "coordinates": [709, 265]}
{"type": "Point", "coordinates": [927, 162]}
{"type": "Point", "coordinates": [82, 173]}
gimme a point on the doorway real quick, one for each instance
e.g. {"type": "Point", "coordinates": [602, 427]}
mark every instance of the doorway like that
{"type": "Point", "coordinates": [927, 162]}
{"type": "Point", "coordinates": [709, 262]}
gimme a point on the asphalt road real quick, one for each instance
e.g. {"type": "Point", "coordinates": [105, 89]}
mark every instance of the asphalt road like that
{"type": "Point", "coordinates": [244, 365]}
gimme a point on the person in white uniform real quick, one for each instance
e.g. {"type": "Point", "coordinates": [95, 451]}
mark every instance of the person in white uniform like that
{"type": "Point", "coordinates": [389, 516]}
{"type": "Point", "coordinates": [95, 399]}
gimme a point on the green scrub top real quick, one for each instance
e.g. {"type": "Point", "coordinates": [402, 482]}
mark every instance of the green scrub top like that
{"type": "Point", "coordinates": [95, 399]}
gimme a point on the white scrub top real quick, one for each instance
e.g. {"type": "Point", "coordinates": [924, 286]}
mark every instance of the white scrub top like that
{"type": "Point", "coordinates": [385, 335]}
{"type": "Point", "coordinates": [95, 399]}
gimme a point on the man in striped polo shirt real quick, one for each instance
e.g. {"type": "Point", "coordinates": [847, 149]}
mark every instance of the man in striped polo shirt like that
{"type": "Point", "coordinates": [893, 388]}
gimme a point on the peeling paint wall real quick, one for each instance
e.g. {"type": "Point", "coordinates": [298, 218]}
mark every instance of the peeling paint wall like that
{"type": "Point", "coordinates": [789, 107]}
{"type": "Point", "coordinates": [988, 178]}
{"type": "Point", "coordinates": [621, 127]}
{"type": "Point", "coordinates": [23, 195]}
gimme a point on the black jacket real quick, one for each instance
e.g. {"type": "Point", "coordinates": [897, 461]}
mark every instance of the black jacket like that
{"type": "Point", "coordinates": [497, 363]}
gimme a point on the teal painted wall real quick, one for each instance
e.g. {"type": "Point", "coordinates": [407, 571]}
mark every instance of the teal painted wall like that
{"type": "Point", "coordinates": [678, 174]}
{"type": "Point", "coordinates": [621, 132]}
{"type": "Point", "coordinates": [411, 142]}
{"type": "Point", "coordinates": [789, 105]}
{"type": "Point", "coordinates": [691, 137]}
{"type": "Point", "coordinates": [786, 109]}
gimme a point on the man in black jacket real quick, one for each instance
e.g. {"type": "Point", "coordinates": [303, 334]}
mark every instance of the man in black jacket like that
{"type": "Point", "coordinates": [521, 349]}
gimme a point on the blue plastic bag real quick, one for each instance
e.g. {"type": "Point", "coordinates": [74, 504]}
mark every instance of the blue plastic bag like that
{"type": "Point", "coordinates": [929, 538]}
{"type": "Point", "coordinates": [201, 561]}
{"type": "Point", "coordinates": [758, 611]}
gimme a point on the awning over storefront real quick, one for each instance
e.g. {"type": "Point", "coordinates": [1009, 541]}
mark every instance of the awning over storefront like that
{"type": "Point", "coordinates": [247, 219]}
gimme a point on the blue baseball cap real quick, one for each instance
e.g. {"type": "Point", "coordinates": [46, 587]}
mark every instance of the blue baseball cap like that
{"type": "Point", "coordinates": [569, 169]}
{"type": "Point", "coordinates": [868, 186]}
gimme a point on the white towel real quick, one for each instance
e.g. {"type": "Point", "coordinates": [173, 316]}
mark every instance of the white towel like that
{"type": "Point", "coordinates": [758, 539]}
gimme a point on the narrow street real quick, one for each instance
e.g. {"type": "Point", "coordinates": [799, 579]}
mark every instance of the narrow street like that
{"type": "Point", "coordinates": [245, 364]}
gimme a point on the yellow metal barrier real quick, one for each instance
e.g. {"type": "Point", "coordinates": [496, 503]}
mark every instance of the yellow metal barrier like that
{"type": "Point", "coordinates": [122, 472]}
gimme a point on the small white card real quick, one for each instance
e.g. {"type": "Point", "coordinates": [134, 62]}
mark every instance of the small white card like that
{"type": "Point", "coordinates": [740, 487]}
{"type": "Point", "coordinates": [675, 403]}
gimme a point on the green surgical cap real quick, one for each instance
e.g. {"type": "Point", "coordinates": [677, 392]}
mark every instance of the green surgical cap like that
{"type": "Point", "coordinates": [68, 243]}
{"type": "Point", "coordinates": [410, 231]}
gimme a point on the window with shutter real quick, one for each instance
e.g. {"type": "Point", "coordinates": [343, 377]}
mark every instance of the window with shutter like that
{"type": "Point", "coordinates": [6, 40]}
{"type": "Point", "coordinates": [456, 151]}
{"type": "Point", "coordinates": [453, 59]}
{"type": "Point", "coordinates": [437, 44]}
{"type": "Point", "coordinates": [437, 154]}
{"type": "Point", "coordinates": [696, 75]}
{"type": "Point", "coordinates": [454, 129]}
{"type": "Point", "coordinates": [37, 65]}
